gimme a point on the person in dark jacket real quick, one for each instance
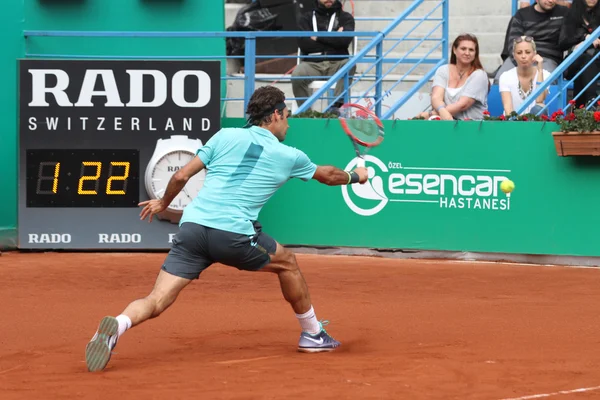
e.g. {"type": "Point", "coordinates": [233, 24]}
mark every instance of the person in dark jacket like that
{"type": "Point", "coordinates": [527, 3]}
{"type": "Point", "coordinates": [328, 16]}
{"type": "Point", "coordinates": [583, 19]}
{"type": "Point", "coordinates": [543, 23]}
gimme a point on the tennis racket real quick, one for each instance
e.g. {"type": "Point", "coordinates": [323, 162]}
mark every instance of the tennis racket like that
{"type": "Point", "coordinates": [363, 127]}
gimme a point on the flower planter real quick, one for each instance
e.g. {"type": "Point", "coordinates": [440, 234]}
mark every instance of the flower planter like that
{"type": "Point", "coordinates": [577, 144]}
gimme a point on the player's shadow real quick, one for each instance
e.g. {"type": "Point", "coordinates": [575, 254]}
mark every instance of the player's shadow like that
{"type": "Point", "coordinates": [356, 346]}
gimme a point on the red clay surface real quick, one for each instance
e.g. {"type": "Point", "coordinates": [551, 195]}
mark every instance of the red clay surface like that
{"type": "Point", "coordinates": [409, 330]}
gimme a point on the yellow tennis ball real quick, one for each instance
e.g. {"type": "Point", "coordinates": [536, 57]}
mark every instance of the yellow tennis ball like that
{"type": "Point", "coordinates": [507, 186]}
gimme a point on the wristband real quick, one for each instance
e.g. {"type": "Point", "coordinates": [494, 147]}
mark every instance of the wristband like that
{"type": "Point", "coordinates": [440, 107]}
{"type": "Point", "coordinates": [352, 177]}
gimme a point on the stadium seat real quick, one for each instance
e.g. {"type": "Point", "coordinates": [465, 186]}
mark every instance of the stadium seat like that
{"type": "Point", "coordinates": [495, 101]}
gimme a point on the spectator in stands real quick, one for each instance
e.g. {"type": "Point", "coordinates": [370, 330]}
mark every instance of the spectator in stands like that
{"type": "Point", "coordinates": [460, 88]}
{"type": "Point", "coordinates": [328, 16]}
{"type": "Point", "coordinates": [566, 3]}
{"type": "Point", "coordinates": [583, 18]}
{"type": "Point", "coordinates": [542, 22]}
{"type": "Point", "coordinates": [518, 83]}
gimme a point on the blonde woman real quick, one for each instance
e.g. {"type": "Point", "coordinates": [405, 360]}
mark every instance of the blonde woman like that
{"type": "Point", "coordinates": [518, 83]}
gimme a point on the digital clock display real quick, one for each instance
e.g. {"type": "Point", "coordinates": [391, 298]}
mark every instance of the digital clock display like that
{"type": "Point", "coordinates": [82, 178]}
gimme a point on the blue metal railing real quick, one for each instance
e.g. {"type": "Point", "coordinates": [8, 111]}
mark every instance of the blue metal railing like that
{"type": "Point", "coordinates": [249, 57]}
{"type": "Point", "coordinates": [557, 75]}
{"type": "Point", "coordinates": [376, 41]}
{"type": "Point", "coordinates": [379, 58]}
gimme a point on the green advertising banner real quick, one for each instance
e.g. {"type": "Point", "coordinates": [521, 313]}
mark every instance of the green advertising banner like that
{"type": "Point", "coordinates": [435, 185]}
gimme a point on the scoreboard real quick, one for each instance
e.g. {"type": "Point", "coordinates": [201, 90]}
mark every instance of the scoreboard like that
{"type": "Point", "coordinates": [98, 137]}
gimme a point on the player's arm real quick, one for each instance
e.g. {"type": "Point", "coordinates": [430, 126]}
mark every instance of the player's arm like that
{"type": "Point", "coordinates": [333, 176]}
{"type": "Point", "coordinates": [175, 185]}
{"type": "Point", "coordinates": [180, 178]}
{"type": "Point", "coordinates": [305, 169]}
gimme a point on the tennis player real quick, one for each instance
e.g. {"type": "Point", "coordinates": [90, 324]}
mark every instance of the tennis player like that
{"type": "Point", "coordinates": [245, 167]}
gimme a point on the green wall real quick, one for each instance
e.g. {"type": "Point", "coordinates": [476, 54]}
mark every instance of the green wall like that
{"type": "Point", "coordinates": [553, 210]}
{"type": "Point", "coordinates": [89, 15]}
{"type": "Point", "coordinates": [130, 15]}
{"type": "Point", "coordinates": [11, 48]}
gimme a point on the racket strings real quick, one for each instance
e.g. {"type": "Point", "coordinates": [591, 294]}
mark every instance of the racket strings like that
{"type": "Point", "coordinates": [362, 125]}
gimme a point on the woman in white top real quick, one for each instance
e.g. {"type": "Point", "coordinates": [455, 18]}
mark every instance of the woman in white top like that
{"type": "Point", "coordinates": [460, 88]}
{"type": "Point", "coordinates": [518, 83]}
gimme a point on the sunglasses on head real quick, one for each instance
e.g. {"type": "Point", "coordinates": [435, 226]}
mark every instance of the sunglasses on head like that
{"type": "Point", "coordinates": [527, 39]}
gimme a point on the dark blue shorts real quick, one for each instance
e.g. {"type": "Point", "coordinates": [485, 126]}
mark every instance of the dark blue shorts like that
{"type": "Point", "coordinates": [196, 247]}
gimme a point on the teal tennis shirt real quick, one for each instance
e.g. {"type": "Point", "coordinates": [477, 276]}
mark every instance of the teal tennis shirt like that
{"type": "Point", "coordinates": [244, 168]}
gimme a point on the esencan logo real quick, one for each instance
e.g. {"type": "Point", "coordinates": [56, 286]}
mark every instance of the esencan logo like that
{"type": "Point", "coordinates": [454, 188]}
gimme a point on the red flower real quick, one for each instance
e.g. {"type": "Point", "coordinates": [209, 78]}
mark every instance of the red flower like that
{"type": "Point", "coordinates": [502, 117]}
{"type": "Point", "coordinates": [486, 112]}
{"type": "Point", "coordinates": [553, 119]}
{"type": "Point", "coordinates": [545, 117]}
{"type": "Point", "coordinates": [571, 102]}
{"type": "Point", "coordinates": [599, 102]}
{"type": "Point", "coordinates": [597, 116]}
{"type": "Point", "coordinates": [570, 117]}
{"type": "Point", "coordinates": [525, 119]}
{"type": "Point", "coordinates": [560, 112]}
{"type": "Point", "coordinates": [581, 106]}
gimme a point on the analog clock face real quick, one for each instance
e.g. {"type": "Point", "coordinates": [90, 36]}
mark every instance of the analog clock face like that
{"type": "Point", "coordinates": [164, 169]}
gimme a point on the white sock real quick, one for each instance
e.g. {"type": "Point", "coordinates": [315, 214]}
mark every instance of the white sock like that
{"type": "Point", "coordinates": [124, 323]}
{"type": "Point", "coordinates": [308, 322]}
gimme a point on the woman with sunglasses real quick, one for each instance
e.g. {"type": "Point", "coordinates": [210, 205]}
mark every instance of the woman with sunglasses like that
{"type": "Point", "coordinates": [460, 88]}
{"type": "Point", "coordinates": [518, 83]}
{"type": "Point", "coordinates": [583, 19]}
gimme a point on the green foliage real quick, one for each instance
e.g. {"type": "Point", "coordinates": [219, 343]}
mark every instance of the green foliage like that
{"type": "Point", "coordinates": [513, 116]}
{"type": "Point", "coordinates": [315, 114]}
{"type": "Point", "coordinates": [579, 119]}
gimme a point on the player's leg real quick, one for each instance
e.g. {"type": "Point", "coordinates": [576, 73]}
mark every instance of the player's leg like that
{"type": "Point", "coordinates": [292, 282]}
{"type": "Point", "coordinates": [262, 253]}
{"type": "Point", "coordinates": [186, 260]}
{"type": "Point", "coordinates": [314, 338]}
{"type": "Point", "coordinates": [164, 293]}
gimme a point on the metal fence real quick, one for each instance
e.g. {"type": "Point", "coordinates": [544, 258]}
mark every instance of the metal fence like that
{"type": "Point", "coordinates": [380, 54]}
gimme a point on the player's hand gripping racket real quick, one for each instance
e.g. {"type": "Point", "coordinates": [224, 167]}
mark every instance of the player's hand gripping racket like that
{"type": "Point", "coordinates": [363, 127]}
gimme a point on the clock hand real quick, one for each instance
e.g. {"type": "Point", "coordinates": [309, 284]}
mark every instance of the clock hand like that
{"type": "Point", "coordinates": [187, 194]}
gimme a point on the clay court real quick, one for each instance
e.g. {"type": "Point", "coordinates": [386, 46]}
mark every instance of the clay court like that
{"type": "Point", "coordinates": [409, 330]}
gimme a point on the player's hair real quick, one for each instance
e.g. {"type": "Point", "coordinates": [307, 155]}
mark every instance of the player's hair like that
{"type": "Point", "coordinates": [263, 103]}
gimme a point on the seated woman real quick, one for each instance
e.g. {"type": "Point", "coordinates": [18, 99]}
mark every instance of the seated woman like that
{"type": "Point", "coordinates": [460, 88]}
{"type": "Point", "coordinates": [518, 83]}
{"type": "Point", "coordinates": [583, 18]}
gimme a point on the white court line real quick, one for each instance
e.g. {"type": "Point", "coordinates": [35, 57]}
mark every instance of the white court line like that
{"type": "Point", "coordinates": [439, 261]}
{"type": "Point", "coordinates": [245, 360]}
{"type": "Point", "coordinates": [458, 169]}
{"type": "Point", "coordinates": [539, 396]}
{"type": "Point", "coordinates": [11, 369]}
